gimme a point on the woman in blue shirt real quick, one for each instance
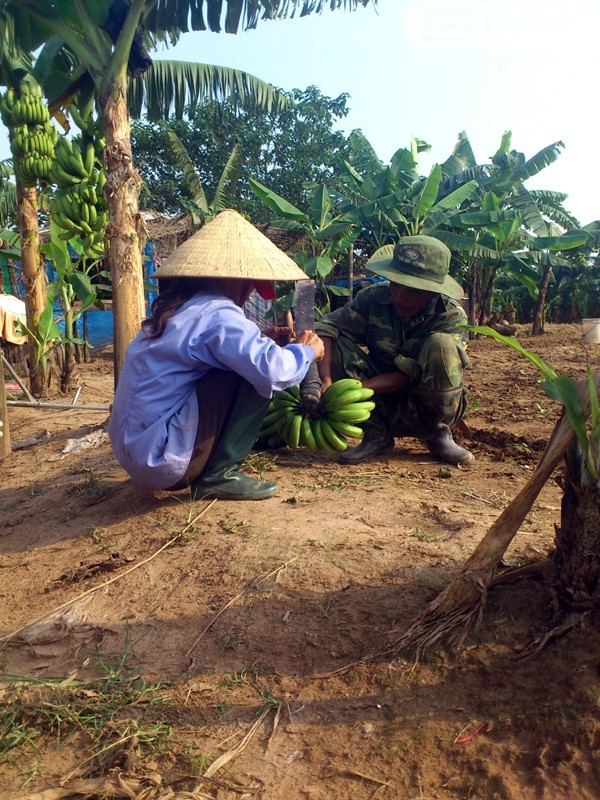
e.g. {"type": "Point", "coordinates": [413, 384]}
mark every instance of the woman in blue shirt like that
{"type": "Point", "coordinates": [197, 379]}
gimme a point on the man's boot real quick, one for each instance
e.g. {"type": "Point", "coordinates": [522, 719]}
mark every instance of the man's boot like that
{"type": "Point", "coordinates": [220, 478]}
{"type": "Point", "coordinates": [437, 410]}
{"type": "Point", "coordinates": [442, 446]}
{"type": "Point", "coordinates": [376, 440]}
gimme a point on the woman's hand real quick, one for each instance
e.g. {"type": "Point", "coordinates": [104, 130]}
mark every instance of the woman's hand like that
{"type": "Point", "coordinates": [311, 339]}
{"type": "Point", "coordinates": [281, 334]}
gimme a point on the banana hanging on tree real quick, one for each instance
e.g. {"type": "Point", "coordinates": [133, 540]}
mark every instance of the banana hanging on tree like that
{"type": "Point", "coordinates": [32, 137]}
{"type": "Point", "coordinates": [80, 208]}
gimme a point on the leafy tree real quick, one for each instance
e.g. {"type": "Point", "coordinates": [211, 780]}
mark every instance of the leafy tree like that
{"type": "Point", "coordinates": [288, 149]}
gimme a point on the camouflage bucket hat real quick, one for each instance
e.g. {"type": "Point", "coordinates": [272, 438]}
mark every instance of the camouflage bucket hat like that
{"type": "Point", "coordinates": [420, 262]}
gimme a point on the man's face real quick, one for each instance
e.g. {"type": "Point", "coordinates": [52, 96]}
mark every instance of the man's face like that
{"type": "Point", "coordinates": [409, 302]}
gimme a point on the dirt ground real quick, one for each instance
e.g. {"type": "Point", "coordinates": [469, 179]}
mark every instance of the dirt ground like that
{"type": "Point", "coordinates": [244, 616]}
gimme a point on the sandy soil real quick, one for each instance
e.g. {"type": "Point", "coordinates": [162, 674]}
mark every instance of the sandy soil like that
{"type": "Point", "coordinates": [245, 615]}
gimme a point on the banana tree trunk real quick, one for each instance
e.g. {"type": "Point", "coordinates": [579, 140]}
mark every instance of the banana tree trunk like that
{"type": "Point", "coordinates": [474, 292]}
{"type": "Point", "coordinates": [34, 279]}
{"type": "Point", "coordinates": [577, 554]}
{"type": "Point", "coordinates": [540, 306]}
{"type": "Point", "coordinates": [488, 283]}
{"type": "Point", "coordinates": [68, 375]}
{"type": "Point", "coordinates": [125, 232]}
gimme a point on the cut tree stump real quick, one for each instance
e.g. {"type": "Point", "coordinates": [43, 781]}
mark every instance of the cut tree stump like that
{"type": "Point", "coordinates": [459, 608]}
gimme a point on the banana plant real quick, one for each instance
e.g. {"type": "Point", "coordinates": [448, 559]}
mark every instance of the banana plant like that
{"type": "Point", "coordinates": [15, 75]}
{"type": "Point", "coordinates": [74, 289]}
{"type": "Point", "coordinates": [328, 236]}
{"type": "Point", "coordinates": [394, 200]}
{"type": "Point", "coordinates": [562, 389]}
{"type": "Point", "coordinates": [201, 207]}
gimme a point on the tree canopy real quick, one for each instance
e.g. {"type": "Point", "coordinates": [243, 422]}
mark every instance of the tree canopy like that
{"type": "Point", "coordinates": [289, 150]}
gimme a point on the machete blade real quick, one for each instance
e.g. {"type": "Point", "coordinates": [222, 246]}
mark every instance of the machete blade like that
{"type": "Point", "coordinates": [310, 387]}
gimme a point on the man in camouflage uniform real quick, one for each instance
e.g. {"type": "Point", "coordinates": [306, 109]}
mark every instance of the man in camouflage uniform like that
{"type": "Point", "coordinates": [401, 340]}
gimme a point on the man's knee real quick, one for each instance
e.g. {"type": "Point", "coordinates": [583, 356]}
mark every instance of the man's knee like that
{"type": "Point", "coordinates": [442, 361]}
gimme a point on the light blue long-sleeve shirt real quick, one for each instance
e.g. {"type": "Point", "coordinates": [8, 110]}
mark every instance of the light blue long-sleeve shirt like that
{"type": "Point", "coordinates": [155, 412]}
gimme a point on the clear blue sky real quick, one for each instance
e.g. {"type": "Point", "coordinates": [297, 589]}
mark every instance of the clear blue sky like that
{"type": "Point", "coordinates": [435, 67]}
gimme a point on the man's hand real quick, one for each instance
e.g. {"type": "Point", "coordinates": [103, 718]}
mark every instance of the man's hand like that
{"type": "Point", "coordinates": [281, 334]}
{"type": "Point", "coordinates": [311, 339]}
{"type": "Point", "coordinates": [325, 366]}
{"type": "Point", "coordinates": [325, 384]}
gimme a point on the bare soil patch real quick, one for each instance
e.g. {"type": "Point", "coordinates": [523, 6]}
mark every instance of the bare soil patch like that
{"type": "Point", "coordinates": [245, 616]}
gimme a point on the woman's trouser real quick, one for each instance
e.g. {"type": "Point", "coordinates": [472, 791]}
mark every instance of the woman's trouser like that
{"type": "Point", "coordinates": [230, 416]}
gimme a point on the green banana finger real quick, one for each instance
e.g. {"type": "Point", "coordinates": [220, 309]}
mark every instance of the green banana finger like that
{"type": "Point", "coordinates": [320, 439]}
{"type": "Point", "coordinates": [338, 442]}
{"type": "Point", "coordinates": [353, 396]}
{"type": "Point", "coordinates": [345, 428]}
{"type": "Point", "coordinates": [338, 388]}
{"type": "Point", "coordinates": [350, 414]}
{"type": "Point", "coordinates": [294, 431]}
{"type": "Point", "coordinates": [308, 436]}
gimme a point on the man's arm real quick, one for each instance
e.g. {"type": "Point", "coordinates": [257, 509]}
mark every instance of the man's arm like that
{"type": "Point", "coordinates": [325, 364]}
{"type": "Point", "coordinates": [387, 382]}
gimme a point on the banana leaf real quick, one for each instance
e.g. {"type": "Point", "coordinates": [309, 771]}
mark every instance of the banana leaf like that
{"type": "Point", "coordinates": [277, 203]}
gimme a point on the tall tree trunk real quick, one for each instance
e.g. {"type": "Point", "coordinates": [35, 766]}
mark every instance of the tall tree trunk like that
{"type": "Point", "coordinates": [488, 280]}
{"type": "Point", "coordinates": [577, 553]}
{"type": "Point", "coordinates": [540, 306]}
{"type": "Point", "coordinates": [125, 232]}
{"type": "Point", "coordinates": [475, 294]}
{"type": "Point", "coordinates": [34, 279]}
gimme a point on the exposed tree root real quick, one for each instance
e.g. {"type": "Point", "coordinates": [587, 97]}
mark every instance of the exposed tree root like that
{"type": "Point", "coordinates": [544, 565]}
{"type": "Point", "coordinates": [537, 645]}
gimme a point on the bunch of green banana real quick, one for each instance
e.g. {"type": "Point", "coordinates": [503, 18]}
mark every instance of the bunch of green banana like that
{"type": "Point", "coordinates": [79, 207]}
{"type": "Point", "coordinates": [26, 108]}
{"type": "Point", "coordinates": [75, 161]}
{"type": "Point", "coordinates": [345, 406]}
{"type": "Point", "coordinates": [33, 135]}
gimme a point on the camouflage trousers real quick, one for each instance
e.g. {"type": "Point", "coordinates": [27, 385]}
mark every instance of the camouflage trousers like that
{"type": "Point", "coordinates": [436, 394]}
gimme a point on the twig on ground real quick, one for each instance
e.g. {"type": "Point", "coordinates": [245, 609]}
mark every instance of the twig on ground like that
{"type": "Point", "coordinates": [355, 774]}
{"type": "Point", "coordinates": [253, 584]}
{"type": "Point", "coordinates": [234, 752]}
{"type": "Point", "coordinates": [473, 496]}
{"type": "Point", "coordinates": [274, 728]}
{"type": "Point", "coordinates": [47, 614]}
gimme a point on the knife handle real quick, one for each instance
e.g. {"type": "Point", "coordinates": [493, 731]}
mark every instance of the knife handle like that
{"type": "Point", "coordinates": [310, 388]}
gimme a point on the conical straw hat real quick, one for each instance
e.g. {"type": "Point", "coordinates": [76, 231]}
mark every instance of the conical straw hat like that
{"type": "Point", "coordinates": [230, 247]}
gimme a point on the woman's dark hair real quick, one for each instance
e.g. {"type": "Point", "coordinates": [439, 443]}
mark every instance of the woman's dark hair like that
{"type": "Point", "coordinates": [173, 292]}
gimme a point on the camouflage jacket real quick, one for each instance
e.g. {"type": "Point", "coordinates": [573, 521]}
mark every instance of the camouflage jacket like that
{"type": "Point", "coordinates": [393, 343]}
